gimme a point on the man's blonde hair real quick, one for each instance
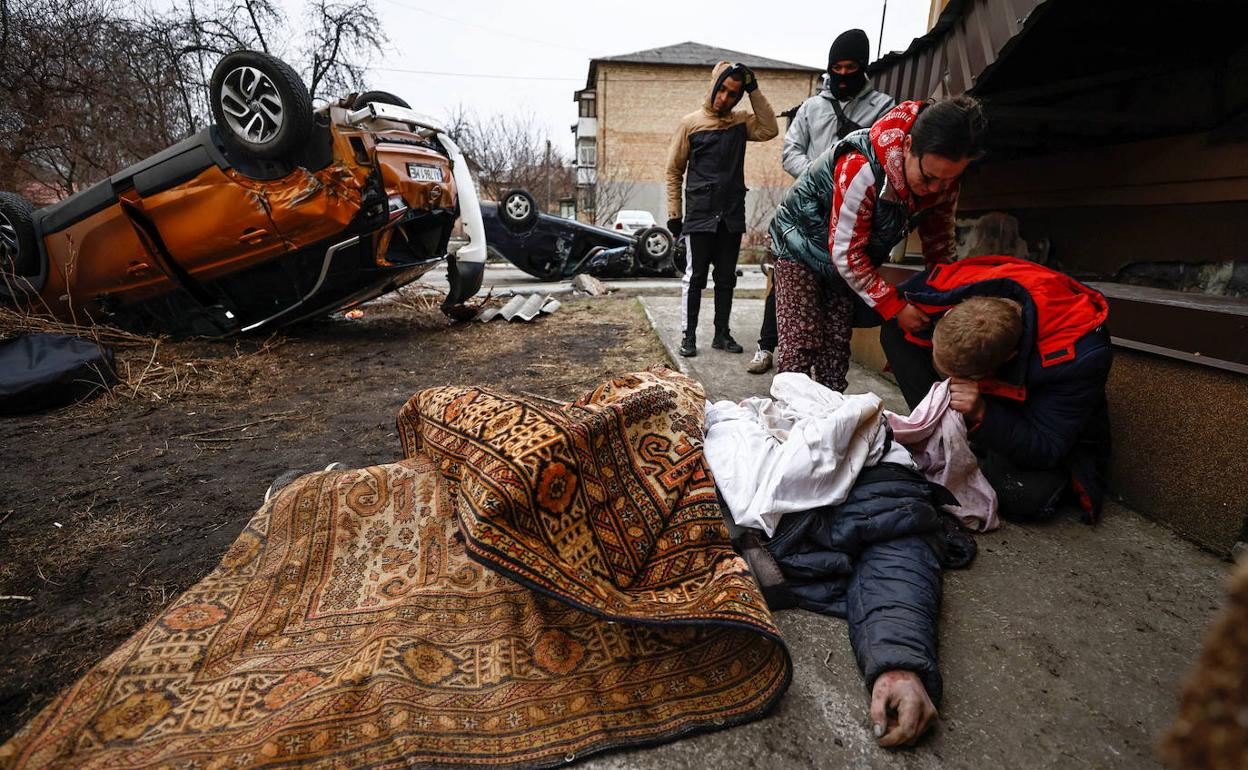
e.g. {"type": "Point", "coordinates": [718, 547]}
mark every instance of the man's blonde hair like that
{"type": "Point", "coordinates": [977, 336]}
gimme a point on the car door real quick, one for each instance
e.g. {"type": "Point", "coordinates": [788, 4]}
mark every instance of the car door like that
{"type": "Point", "coordinates": [212, 224]}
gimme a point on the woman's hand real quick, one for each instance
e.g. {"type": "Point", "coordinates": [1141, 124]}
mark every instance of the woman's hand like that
{"type": "Point", "coordinates": [913, 320]}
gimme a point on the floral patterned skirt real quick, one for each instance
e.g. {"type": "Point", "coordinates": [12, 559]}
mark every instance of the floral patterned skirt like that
{"type": "Point", "coordinates": [815, 324]}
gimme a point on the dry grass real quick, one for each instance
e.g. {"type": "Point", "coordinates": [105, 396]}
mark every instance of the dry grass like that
{"type": "Point", "coordinates": [152, 369]}
{"type": "Point", "coordinates": [156, 369]}
{"type": "Point", "coordinates": [423, 305]}
{"type": "Point", "coordinates": [161, 376]}
{"type": "Point", "coordinates": [15, 322]}
{"type": "Point", "coordinates": [418, 298]}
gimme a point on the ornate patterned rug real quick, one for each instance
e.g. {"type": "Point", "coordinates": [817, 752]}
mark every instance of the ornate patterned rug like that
{"type": "Point", "coordinates": [532, 584]}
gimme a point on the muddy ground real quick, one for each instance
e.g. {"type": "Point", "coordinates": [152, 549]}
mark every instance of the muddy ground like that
{"type": "Point", "coordinates": [110, 509]}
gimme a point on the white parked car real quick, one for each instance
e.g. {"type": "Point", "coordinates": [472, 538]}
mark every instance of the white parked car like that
{"type": "Point", "coordinates": [631, 221]}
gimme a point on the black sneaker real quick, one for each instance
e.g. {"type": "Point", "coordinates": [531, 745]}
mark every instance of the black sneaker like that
{"type": "Point", "coordinates": [689, 346]}
{"type": "Point", "coordinates": [724, 341]}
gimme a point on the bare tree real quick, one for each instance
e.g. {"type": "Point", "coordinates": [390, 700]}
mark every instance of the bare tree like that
{"type": "Point", "coordinates": [83, 90]}
{"type": "Point", "coordinates": [768, 192]}
{"type": "Point", "coordinates": [511, 151]}
{"type": "Point", "coordinates": [90, 86]}
{"type": "Point", "coordinates": [342, 37]}
{"type": "Point", "coordinates": [221, 26]}
{"type": "Point", "coordinates": [338, 39]}
{"type": "Point", "coordinates": [458, 122]}
{"type": "Point", "coordinates": [610, 193]}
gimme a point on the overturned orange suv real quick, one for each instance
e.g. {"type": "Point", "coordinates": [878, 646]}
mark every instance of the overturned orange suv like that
{"type": "Point", "coordinates": [275, 213]}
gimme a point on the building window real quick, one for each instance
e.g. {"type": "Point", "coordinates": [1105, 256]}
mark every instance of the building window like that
{"type": "Point", "coordinates": [586, 152]}
{"type": "Point", "coordinates": [589, 108]}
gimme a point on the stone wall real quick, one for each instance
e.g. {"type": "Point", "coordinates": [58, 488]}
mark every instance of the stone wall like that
{"type": "Point", "coordinates": [1179, 435]}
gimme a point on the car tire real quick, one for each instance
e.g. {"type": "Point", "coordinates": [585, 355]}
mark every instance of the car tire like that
{"type": "Point", "coordinates": [380, 97]}
{"type": "Point", "coordinates": [19, 246]}
{"type": "Point", "coordinates": [260, 105]}
{"type": "Point", "coordinates": [517, 209]}
{"type": "Point", "coordinates": [654, 248]}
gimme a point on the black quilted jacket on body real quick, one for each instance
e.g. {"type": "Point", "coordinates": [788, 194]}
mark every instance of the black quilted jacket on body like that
{"type": "Point", "coordinates": [875, 560]}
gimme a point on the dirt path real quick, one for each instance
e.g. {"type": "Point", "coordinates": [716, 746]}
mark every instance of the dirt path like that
{"type": "Point", "coordinates": [109, 510]}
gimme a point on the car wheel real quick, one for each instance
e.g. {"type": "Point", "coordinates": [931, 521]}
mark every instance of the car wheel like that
{"type": "Point", "coordinates": [380, 97]}
{"type": "Point", "coordinates": [260, 105]}
{"type": "Point", "coordinates": [654, 246]}
{"type": "Point", "coordinates": [19, 248]}
{"type": "Point", "coordinates": [518, 209]}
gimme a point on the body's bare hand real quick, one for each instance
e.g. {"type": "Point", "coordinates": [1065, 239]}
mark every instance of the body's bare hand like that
{"type": "Point", "coordinates": [913, 320]}
{"type": "Point", "coordinates": [900, 708]}
{"type": "Point", "coordinates": [964, 397]}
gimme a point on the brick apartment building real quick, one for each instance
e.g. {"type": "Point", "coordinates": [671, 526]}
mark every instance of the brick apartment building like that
{"type": "Point", "coordinates": [631, 106]}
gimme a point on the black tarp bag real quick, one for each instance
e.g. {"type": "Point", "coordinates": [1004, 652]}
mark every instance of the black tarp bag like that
{"type": "Point", "coordinates": [44, 371]}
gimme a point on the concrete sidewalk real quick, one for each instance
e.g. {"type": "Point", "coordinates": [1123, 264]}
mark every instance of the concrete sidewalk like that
{"type": "Point", "coordinates": [1063, 646]}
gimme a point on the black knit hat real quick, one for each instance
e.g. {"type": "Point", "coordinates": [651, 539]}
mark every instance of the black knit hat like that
{"type": "Point", "coordinates": [852, 45]}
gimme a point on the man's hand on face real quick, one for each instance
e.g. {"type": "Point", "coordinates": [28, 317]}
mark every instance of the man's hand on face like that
{"type": "Point", "coordinates": [900, 708]}
{"type": "Point", "coordinates": [913, 320]}
{"type": "Point", "coordinates": [964, 397]}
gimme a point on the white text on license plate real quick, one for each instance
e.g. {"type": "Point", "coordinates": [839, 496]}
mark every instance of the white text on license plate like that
{"type": "Point", "coordinates": [423, 173]}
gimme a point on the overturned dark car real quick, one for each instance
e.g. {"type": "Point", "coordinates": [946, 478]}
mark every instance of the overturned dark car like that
{"type": "Point", "coordinates": [275, 213]}
{"type": "Point", "coordinates": [553, 248]}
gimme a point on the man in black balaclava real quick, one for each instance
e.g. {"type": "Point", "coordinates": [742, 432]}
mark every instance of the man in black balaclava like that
{"type": "Point", "coordinates": [845, 103]}
{"type": "Point", "coordinates": [847, 64]}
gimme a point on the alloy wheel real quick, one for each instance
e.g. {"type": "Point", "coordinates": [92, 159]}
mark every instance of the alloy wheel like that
{"type": "Point", "coordinates": [518, 207]}
{"type": "Point", "coordinates": [656, 245]}
{"type": "Point", "coordinates": [8, 243]}
{"type": "Point", "coordinates": [252, 105]}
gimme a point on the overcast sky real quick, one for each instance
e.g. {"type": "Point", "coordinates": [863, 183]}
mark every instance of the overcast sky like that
{"type": "Point", "coordinates": [494, 56]}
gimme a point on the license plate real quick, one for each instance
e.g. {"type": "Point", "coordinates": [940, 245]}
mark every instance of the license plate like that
{"type": "Point", "coordinates": [423, 173]}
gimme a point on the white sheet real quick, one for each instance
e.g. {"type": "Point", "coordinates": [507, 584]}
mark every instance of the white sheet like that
{"type": "Point", "coordinates": [936, 437]}
{"type": "Point", "coordinates": [801, 449]}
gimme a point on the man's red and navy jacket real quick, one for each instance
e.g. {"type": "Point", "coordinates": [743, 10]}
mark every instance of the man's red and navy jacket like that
{"type": "Point", "coordinates": [1046, 407]}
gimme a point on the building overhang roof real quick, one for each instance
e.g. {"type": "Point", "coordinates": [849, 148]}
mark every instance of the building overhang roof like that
{"type": "Point", "coordinates": [1054, 73]}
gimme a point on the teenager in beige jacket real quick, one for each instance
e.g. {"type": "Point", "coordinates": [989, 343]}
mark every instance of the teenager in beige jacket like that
{"type": "Point", "coordinates": [707, 156]}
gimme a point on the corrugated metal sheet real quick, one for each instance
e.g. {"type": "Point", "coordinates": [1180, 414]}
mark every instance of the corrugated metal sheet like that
{"type": "Point", "coordinates": [960, 50]}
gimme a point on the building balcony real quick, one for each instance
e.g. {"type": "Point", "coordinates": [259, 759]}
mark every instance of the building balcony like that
{"type": "Point", "coordinates": [586, 127]}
